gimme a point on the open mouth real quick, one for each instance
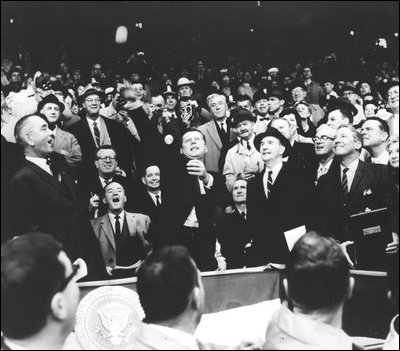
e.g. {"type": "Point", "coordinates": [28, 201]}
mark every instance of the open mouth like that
{"type": "Point", "coordinates": [115, 199]}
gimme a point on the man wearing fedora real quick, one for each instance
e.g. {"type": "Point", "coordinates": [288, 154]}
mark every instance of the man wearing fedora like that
{"type": "Point", "coordinates": [277, 201]}
{"type": "Point", "coordinates": [93, 131]}
{"type": "Point", "coordinates": [64, 143]}
{"type": "Point", "coordinates": [242, 161]}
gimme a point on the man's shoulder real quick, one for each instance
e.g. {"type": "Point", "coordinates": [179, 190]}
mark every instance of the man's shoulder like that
{"type": "Point", "coordinates": [205, 126]}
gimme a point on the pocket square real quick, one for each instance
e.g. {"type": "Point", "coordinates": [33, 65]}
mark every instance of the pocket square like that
{"type": "Point", "coordinates": [367, 192]}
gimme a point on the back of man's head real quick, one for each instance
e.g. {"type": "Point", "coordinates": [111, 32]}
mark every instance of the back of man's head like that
{"type": "Point", "coordinates": [31, 272]}
{"type": "Point", "coordinates": [166, 280]}
{"type": "Point", "coordinates": [318, 275]}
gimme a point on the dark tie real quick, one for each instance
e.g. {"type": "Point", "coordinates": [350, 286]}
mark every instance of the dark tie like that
{"type": "Point", "coordinates": [222, 125]}
{"type": "Point", "coordinates": [345, 187]}
{"type": "Point", "coordinates": [243, 215]}
{"type": "Point", "coordinates": [158, 202]}
{"type": "Point", "coordinates": [106, 182]}
{"type": "Point", "coordinates": [52, 168]}
{"type": "Point", "coordinates": [96, 134]}
{"type": "Point", "coordinates": [248, 145]}
{"type": "Point", "coordinates": [270, 183]}
{"type": "Point", "coordinates": [117, 231]}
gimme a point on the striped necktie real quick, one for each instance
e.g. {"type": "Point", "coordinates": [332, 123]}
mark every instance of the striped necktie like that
{"type": "Point", "coordinates": [269, 184]}
{"type": "Point", "coordinates": [96, 134]}
{"type": "Point", "coordinates": [345, 186]}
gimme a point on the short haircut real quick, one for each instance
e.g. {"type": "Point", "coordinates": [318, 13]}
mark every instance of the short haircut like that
{"type": "Point", "coordinates": [244, 98]}
{"type": "Point", "coordinates": [345, 113]}
{"type": "Point", "coordinates": [192, 129]}
{"type": "Point", "coordinates": [165, 281]}
{"type": "Point", "coordinates": [383, 125]}
{"type": "Point", "coordinates": [317, 272]}
{"type": "Point", "coordinates": [31, 273]}
{"type": "Point", "coordinates": [105, 147]}
{"type": "Point", "coordinates": [147, 166]}
{"type": "Point", "coordinates": [20, 125]}
{"type": "Point", "coordinates": [356, 134]}
{"type": "Point", "coordinates": [212, 96]}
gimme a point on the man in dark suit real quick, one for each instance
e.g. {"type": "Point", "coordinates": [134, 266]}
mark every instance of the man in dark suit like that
{"type": "Point", "coordinates": [148, 199]}
{"type": "Point", "coordinates": [106, 162]}
{"type": "Point", "coordinates": [376, 132]}
{"type": "Point", "coordinates": [278, 200]}
{"type": "Point", "coordinates": [43, 197]}
{"type": "Point", "coordinates": [12, 158]}
{"type": "Point", "coordinates": [93, 131]}
{"type": "Point", "coordinates": [352, 186]}
{"type": "Point", "coordinates": [234, 232]}
{"type": "Point", "coordinates": [189, 200]}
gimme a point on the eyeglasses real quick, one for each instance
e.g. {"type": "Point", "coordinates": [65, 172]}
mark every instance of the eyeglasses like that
{"type": "Point", "coordinates": [66, 281]}
{"type": "Point", "coordinates": [106, 158]}
{"type": "Point", "coordinates": [322, 138]}
{"type": "Point", "coordinates": [92, 100]}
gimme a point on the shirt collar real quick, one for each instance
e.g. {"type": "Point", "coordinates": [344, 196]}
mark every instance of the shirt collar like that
{"type": "Point", "coordinates": [183, 338]}
{"type": "Point", "coordinates": [381, 159]}
{"type": "Point", "coordinates": [327, 165]}
{"type": "Point", "coordinates": [275, 170]}
{"type": "Point", "coordinates": [91, 121]}
{"type": "Point", "coordinates": [40, 162]}
{"type": "Point", "coordinates": [352, 166]}
{"type": "Point", "coordinates": [112, 216]}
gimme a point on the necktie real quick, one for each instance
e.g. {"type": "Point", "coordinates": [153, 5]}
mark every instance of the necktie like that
{"type": "Point", "coordinates": [106, 182]}
{"type": "Point", "coordinates": [270, 183]}
{"type": "Point", "coordinates": [52, 168]}
{"type": "Point", "coordinates": [345, 187]}
{"type": "Point", "coordinates": [248, 145]}
{"type": "Point", "coordinates": [117, 236]}
{"type": "Point", "coordinates": [243, 215]}
{"type": "Point", "coordinates": [321, 171]}
{"type": "Point", "coordinates": [96, 134]}
{"type": "Point", "coordinates": [158, 202]}
{"type": "Point", "coordinates": [222, 125]}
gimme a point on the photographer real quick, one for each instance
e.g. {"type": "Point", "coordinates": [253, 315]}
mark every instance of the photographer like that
{"type": "Point", "coordinates": [191, 113]}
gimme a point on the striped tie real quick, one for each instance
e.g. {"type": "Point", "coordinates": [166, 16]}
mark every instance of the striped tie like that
{"type": "Point", "coordinates": [96, 134]}
{"type": "Point", "coordinates": [345, 187]}
{"type": "Point", "coordinates": [269, 184]}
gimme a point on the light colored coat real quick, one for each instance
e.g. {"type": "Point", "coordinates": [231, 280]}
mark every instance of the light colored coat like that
{"type": "Point", "coordinates": [240, 160]}
{"type": "Point", "coordinates": [66, 144]}
{"type": "Point", "coordinates": [138, 225]}
{"type": "Point", "coordinates": [214, 145]}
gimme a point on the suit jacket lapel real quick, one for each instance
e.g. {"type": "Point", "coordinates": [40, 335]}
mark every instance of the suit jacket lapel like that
{"type": "Point", "coordinates": [48, 178]}
{"type": "Point", "coordinates": [107, 228]}
{"type": "Point", "coordinates": [212, 130]}
{"type": "Point", "coordinates": [357, 178]}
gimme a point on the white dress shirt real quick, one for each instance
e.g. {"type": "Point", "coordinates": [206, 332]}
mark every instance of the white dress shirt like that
{"type": "Point", "coordinates": [275, 171]}
{"type": "Point", "coordinates": [186, 339]}
{"type": "Point", "coordinates": [154, 197]}
{"type": "Point", "coordinates": [350, 173]}
{"type": "Point", "coordinates": [382, 159]}
{"type": "Point", "coordinates": [40, 162]}
{"type": "Point", "coordinates": [192, 221]}
{"type": "Point", "coordinates": [103, 181]}
{"type": "Point", "coordinates": [121, 219]}
{"type": "Point", "coordinates": [323, 169]}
